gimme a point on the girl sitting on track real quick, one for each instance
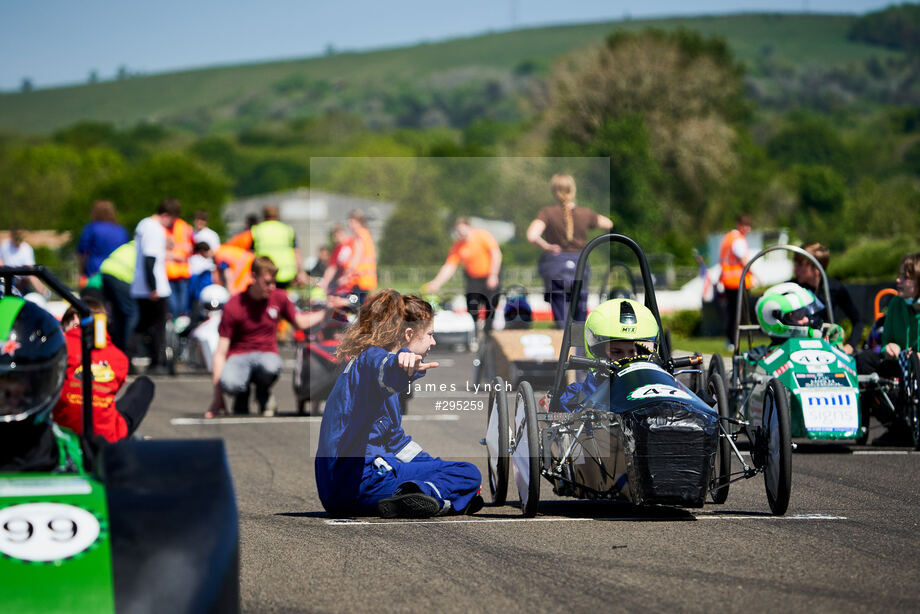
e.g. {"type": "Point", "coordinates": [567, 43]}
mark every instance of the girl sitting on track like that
{"type": "Point", "coordinates": [366, 463]}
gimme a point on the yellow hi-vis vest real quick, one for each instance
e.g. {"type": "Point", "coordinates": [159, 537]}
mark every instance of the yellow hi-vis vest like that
{"type": "Point", "coordinates": [275, 240]}
{"type": "Point", "coordinates": [120, 263]}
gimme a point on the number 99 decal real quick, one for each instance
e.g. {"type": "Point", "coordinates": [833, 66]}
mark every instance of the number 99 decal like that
{"type": "Point", "coordinates": [44, 532]}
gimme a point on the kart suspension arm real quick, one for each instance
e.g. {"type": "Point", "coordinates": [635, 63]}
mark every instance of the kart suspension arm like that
{"type": "Point", "coordinates": [748, 472]}
{"type": "Point", "coordinates": [565, 457]}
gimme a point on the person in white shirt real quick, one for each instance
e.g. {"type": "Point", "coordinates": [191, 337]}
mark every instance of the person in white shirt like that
{"type": "Point", "coordinates": [202, 233]}
{"type": "Point", "coordinates": [150, 286]}
{"type": "Point", "coordinates": [14, 251]}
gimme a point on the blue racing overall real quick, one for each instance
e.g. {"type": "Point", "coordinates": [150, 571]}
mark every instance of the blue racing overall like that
{"type": "Point", "coordinates": [364, 454]}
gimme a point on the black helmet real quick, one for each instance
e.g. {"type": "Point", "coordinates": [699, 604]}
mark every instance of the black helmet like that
{"type": "Point", "coordinates": [33, 361]}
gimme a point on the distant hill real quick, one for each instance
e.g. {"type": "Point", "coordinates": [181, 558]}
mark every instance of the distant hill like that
{"type": "Point", "coordinates": [230, 97]}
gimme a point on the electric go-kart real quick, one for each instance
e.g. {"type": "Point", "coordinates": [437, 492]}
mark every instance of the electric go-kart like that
{"type": "Point", "coordinates": [643, 437]}
{"type": "Point", "coordinates": [806, 379]}
{"type": "Point", "coordinates": [894, 398]}
{"type": "Point", "coordinates": [134, 526]}
{"type": "Point", "coordinates": [316, 366]}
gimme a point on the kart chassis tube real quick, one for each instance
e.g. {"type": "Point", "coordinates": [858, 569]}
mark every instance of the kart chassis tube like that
{"type": "Point", "coordinates": [575, 293]}
{"type": "Point", "coordinates": [86, 338]}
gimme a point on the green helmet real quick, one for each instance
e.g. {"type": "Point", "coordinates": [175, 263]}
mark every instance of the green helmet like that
{"type": "Point", "coordinates": [619, 319]}
{"type": "Point", "coordinates": [781, 309]}
{"type": "Point", "coordinates": [33, 361]}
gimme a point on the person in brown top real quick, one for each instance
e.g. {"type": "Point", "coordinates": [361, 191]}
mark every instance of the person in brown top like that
{"type": "Point", "coordinates": [561, 231]}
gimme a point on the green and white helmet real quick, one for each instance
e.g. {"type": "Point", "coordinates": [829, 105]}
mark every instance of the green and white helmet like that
{"type": "Point", "coordinates": [788, 307]}
{"type": "Point", "coordinates": [619, 319]}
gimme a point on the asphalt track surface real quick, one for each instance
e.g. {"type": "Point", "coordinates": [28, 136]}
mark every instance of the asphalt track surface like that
{"type": "Point", "coordinates": [850, 541]}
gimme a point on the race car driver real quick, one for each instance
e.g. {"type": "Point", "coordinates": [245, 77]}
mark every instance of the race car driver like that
{"type": "Point", "coordinates": [618, 329]}
{"type": "Point", "coordinates": [33, 360]}
{"type": "Point", "coordinates": [789, 310]}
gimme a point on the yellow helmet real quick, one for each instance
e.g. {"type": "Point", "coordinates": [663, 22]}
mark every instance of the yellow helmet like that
{"type": "Point", "coordinates": [619, 319]}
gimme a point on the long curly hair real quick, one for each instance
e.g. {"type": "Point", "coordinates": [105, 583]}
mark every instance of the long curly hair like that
{"type": "Point", "coordinates": [383, 321]}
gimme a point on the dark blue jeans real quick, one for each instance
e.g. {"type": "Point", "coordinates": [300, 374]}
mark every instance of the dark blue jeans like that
{"type": "Point", "coordinates": [178, 300]}
{"type": "Point", "coordinates": [124, 311]}
{"type": "Point", "coordinates": [558, 273]}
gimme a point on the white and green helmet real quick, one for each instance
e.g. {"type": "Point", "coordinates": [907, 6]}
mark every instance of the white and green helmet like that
{"type": "Point", "coordinates": [619, 319]}
{"type": "Point", "coordinates": [788, 307]}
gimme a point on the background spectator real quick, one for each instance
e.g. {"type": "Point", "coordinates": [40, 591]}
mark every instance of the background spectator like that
{"type": "Point", "coordinates": [477, 250]}
{"type": "Point", "coordinates": [202, 232]}
{"type": "Point", "coordinates": [99, 238]}
{"type": "Point", "coordinates": [150, 285]}
{"type": "Point", "coordinates": [561, 231]}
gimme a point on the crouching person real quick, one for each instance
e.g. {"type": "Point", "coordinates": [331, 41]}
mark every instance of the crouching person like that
{"type": "Point", "coordinates": [247, 351]}
{"type": "Point", "coordinates": [112, 419]}
{"type": "Point", "coordinates": [366, 463]}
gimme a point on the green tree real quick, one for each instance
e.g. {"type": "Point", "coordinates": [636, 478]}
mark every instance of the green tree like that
{"type": "Point", "coordinates": [139, 190]}
{"type": "Point", "coordinates": [37, 181]}
{"type": "Point", "coordinates": [667, 107]}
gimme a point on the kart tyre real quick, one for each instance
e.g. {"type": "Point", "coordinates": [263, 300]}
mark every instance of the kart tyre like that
{"type": "Point", "coordinates": [497, 437]}
{"type": "Point", "coordinates": [717, 365]}
{"type": "Point", "coordinates": [317, 379]}
{"type": "Point", "coordinates": [912, 397]}
{"type": "Point", "coordinates": [777, 471]}
{"type": "Point", "coordinates": [484, 362]}
{"type": "Point", "coordinates": [526, 454]}
{"type": "Point", "coordinates": [723, 466]}
{"type": "Point", "coordinates": [172, 501]}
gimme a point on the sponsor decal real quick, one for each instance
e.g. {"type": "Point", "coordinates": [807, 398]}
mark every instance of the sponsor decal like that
{"type": "Point", "coordinates": [102, 372]}
{"type": "Point", "coordinates": [774, 355]}
{"type": "Point", "coordinates": [657, 391]}
{"type": "Point", "coordinates": [639, 366]}
{"type": "Point", "coordinates": [813, 357]}
{"type": "Point", "coordinates": [818, 369]}
{"type": "Point", "coordinates": [10, 346]}
{"type": "Point", "coordinates": [811, 344]}
{"type": "Point", "coordinates": [835, 411]}
{"type": "Point", "coordinates": [816, 380]}
{"type": "Point", "coordinates": [783, 368]}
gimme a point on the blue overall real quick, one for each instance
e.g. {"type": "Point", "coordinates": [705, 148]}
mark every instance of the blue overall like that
{"type": "Point", "coordinates": [364, 454]}
{"type": "Point", "coordinates": [577, 393]}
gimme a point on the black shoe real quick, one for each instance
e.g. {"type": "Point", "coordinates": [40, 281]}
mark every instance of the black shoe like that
{"type": "Point", "coordinates": [474, 505]}
{"type": "Point", "coordinates": [411, 505]}
{"type": "Point", "coordinates": [241, 404]}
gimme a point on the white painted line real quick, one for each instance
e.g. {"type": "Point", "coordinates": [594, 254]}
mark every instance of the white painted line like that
{"type": "Point", "coordinates": [351, 522]}
{"type": "Point", "coordinates": [793, 517]}
{"type": "Point", "coordinates": [356, 522]}
{"type": "Point", "coordinates": [293, 419]}
{"type": "Point", "coordinates": [884, 452]}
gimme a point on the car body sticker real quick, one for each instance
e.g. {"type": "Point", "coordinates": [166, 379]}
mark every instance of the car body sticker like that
{"type": "Point", "coordinates": [657, 391]}
{"type": "Point", "coordinates": [46, 532]}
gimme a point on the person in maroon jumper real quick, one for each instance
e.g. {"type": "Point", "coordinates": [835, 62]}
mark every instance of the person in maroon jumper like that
{"type": "Point", "coordinates": [247, 352]}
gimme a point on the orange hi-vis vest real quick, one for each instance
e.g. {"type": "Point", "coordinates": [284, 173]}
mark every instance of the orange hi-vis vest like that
{"type": "Point", "coordinates": [238, 274]}
{"type": "Point", "coordinates": [731, 265]}
{"type": "Point", "coordinates": [365, 270]}
{"type": "Point", "coordinates": [182, 246]}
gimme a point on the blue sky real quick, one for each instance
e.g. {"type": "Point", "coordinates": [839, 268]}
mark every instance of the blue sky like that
{"type": "Point", "coordinates": [54, 42]}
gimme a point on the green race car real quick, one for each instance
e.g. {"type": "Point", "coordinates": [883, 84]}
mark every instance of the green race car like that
{"type": "Point", "coordinates": [139, 526]}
